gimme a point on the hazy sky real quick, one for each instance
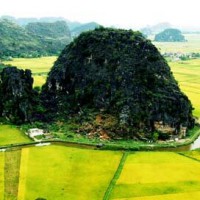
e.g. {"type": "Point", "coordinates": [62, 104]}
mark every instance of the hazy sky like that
{"type": "Point", "coordinates": [124, 13]}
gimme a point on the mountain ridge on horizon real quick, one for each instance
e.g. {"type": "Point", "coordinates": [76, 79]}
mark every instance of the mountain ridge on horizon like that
{"type": "Point", "coordinates": [155, 28]}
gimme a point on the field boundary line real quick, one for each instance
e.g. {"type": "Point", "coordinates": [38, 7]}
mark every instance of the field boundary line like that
{"type": "Point", "coordinates": [181, 154]}
{"type": "Point", "coordinates": [2, 181]}
{"type": "Point", "coordinates": [115, 177]}
{"type": "Point", "coordinates": [23, 173]}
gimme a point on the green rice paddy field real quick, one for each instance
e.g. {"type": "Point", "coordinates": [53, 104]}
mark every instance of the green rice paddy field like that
{"type": "Point", "coordinates": [11, 135]}
{"type": "Point", "coordinates": [59, 172]}
{"type": "Point", "coordinates": [158, 175]}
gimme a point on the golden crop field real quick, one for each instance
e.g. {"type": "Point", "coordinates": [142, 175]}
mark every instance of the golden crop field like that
{"type": "Point", "coordinates": [61, 172]}
{"type": "Point", "coordinates": [158, 175]}
{"type": "Point", "coordinates": [193, 154]}
{"type": "Point", "coordinates": [75, 174]}
{"type": "Point", "coordinates": [187, 73]}
{"type": "Point", "coordinates": [12, 135]}
{"type": "Point", "coordinates": [39, 67]}
{"type": "Point", "coordinates": [1, 175]}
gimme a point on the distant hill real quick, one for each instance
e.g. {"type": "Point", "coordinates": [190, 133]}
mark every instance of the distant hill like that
{"type": "Point", "coordinates": [54, 35]}
{"type": "Point", "coordinates": [15, 41]}
{"type": "Point", "coordinates": [75, 27]}
{"type": "Point", "coordinates": [24, 21]}
{"type": "Point", "coordinates": [35, 40]}
{"type": "Point", "coordinates": [84, 27]}
{"type": "Point", "coordinates": [157, 28]}
{"type": "Point", "coordinates": [57, 29]}
{"type": "Point", "coordinates": [170, 35]}
{"type": "Point", "coordinates": [161, 27]}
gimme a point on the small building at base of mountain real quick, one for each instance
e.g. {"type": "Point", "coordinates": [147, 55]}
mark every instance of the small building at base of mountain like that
{"type": "Point", "coordinates": [35, 132]}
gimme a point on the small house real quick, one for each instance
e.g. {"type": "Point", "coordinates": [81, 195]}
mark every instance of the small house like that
{"type": "Point", "coordinates": [35, 132]}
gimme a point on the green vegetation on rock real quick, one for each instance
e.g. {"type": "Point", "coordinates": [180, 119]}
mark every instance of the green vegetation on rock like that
{"type": "Point", "coordinates": [120, 77]}
{"type": "Point", "coordinates": [18, 100]}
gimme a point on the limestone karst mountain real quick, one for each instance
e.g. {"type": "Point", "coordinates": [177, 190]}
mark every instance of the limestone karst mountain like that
{"type": "Point", "coordinates": [118, 74]}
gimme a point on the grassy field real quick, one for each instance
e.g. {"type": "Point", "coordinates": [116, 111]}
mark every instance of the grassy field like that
{"type": "Point", "coordinates": [76, 174]}
{"type": "Point", "coordinates": [11, 135]}
{"type": "Point", "coordinates": [158, 175]}
{"type": "Point", "coordinates": [187, 73]}
{"type": "Point", "coordinates": [60, 172]}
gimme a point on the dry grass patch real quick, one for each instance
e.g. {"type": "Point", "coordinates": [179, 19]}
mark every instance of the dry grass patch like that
{"type": "Point", "coordinates": [11, 174]}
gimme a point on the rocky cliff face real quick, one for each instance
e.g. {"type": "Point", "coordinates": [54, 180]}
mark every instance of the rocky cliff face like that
{"type": "Point", "coordinates": [116, 73]}
{"type": "Point", "coordinates": [17, 98]}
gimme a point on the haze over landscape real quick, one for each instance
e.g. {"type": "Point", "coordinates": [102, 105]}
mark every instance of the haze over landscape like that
{"type": "Point", "coordinates": [99, 100]}
{"type": "Point", "coordinates": [123, 14]}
